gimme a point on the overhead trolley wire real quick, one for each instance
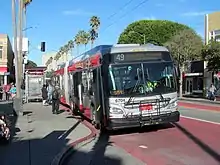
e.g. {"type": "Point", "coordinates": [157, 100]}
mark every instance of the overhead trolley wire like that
{"type": "Point", "coordinates": [126, 13]}
{"type": "Point", "coordinates": [121, 8]}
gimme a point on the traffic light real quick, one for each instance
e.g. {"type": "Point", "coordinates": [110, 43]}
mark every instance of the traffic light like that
{"type": "Point", "coordinates": [42, 47]}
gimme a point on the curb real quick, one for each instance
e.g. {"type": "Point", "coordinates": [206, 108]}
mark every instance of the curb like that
{"type": "Point", "coordinates": [217, 103]}
{"type": "Point", "coordinates": [61, 157]}
{"type": "Point", "coordinates": [191, 105]}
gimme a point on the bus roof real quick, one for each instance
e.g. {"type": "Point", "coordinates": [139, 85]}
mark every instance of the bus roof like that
{"type": "Point", "coordinates": [137, 48]}
{"type": "Point", "coordinates": [118, 48]}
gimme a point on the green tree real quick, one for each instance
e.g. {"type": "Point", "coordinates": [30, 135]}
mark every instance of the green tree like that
{"type": "Point", "coordinates": [49, 61]}
{"type": "Point", "coordinates": [70, 46]}
{"type": "Point", "coordinates": [153, 31]}
{"type": "Point", "coordinates": [94, 24]}
{"type": "Point", "coordinates": [30, 64]}
{"type": "Point", "coordinates": [84, 37]}
{"type": "Point", "coordinates": [77, 40]}
{"type": "Point", "coordinates": [211, 53]}
{"type": "Point", "coordinates": [49, 74]}
{"type": "Point", "coordinates": [185, 46]}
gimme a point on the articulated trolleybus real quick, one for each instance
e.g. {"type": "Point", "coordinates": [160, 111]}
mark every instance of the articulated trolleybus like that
{"type": "Point", "coordinates": [122, 86]}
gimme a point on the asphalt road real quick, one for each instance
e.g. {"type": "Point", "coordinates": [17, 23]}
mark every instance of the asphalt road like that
{"type": "Point", "coordinates": [192, 141]}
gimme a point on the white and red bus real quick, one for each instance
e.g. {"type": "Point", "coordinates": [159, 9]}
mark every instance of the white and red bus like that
{"type": "Point", "coordinates": [122, 86]}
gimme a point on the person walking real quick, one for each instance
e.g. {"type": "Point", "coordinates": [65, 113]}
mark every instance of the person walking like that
{"type": "Point", "coordinates": [50, 90]}
{"type": "Point", "coordinates": [44, 94]}
{"type": "Point", "coordinates": [55, 100]}
{"type": "Point", "coordinates": [212, 90]}
{"type": "Point", "coordinates": [7, 89]}
{"type": "Point", "coordinates": [13, 91]}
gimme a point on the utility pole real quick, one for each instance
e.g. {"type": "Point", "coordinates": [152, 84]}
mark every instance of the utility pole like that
{"type": "Point", "coordinates": [17, 102]}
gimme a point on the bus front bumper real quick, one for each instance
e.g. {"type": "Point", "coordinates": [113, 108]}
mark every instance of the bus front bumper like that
{"type": "Point", "coordinates": [137, 121]}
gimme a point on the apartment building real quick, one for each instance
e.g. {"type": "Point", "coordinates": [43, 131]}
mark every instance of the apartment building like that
{"type": "Point", "coordinates": [6, 60]}
{"type": "Point", "coordinates": [212, 26]}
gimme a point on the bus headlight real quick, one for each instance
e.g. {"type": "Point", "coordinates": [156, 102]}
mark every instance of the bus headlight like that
{"type": "Point", "coordinates": [115, 110]}
{"type": "Point", "coordinates": [172, 105]}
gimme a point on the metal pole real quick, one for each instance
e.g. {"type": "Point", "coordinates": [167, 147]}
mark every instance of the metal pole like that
{"type": "Point", "coordinates": [17, 106]}
{"type": "Point", "coordinates": [25, 24]}
{"type": "Point", "coordinates": [144, 39]}
{"type": "Point", "coordinates": [19, 57]}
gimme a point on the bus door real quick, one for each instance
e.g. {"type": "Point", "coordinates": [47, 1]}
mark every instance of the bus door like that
{"type": "Point", "coordinates": [76, 91]}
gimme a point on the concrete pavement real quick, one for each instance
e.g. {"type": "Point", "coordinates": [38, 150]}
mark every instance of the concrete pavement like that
{"type": "Point", "coordinates": [40, 136]}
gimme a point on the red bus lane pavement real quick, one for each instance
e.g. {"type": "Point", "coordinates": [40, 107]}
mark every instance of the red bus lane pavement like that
{"type": "Point", "coordinates": [187, 142]}
{"type": "Point", "coordinates": [196, 105]}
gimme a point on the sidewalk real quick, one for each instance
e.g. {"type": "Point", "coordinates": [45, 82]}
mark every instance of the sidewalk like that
{"type": "Point", "coordinates": [200, 100]}
{"type": "Point", "coordinates": [40, 136]}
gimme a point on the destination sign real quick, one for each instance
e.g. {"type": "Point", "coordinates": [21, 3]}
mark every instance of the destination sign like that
{"type": "Point", "coordinates": [140, 56]}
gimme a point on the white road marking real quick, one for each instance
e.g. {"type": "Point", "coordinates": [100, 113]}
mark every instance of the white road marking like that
{"type": "Point", "coordinates": [142, 146]}
{"type": "Point", "coordinates": [62, 135]}
{"type": "Point", "coordinates": [206, 121]}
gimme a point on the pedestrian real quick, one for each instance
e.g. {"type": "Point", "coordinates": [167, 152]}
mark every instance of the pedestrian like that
{"type": "Point", "coordinates": [55, 100]}
{"type": "Point", "coordinates": [7, 89]}
{"type": "Point", "coordinates": [13, 91]}
{"type": "Point", "coordinates": [44, 94]}
{"type": "Point", "coordinates": [212, 90]}
{"type": "Point", "coordinates": [50, 90]}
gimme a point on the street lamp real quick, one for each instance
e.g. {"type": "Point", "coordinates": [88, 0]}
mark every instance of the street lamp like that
{"type": "Point", "coordinates": [143, 35]}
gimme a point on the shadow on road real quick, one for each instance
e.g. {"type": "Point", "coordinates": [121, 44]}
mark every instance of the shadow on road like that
{"type": "Point", "coordinates": [97, 154]}
{"type": "Point", "coordinates": [35, 151]}
{"type": "Point", "coordinates": [202, 145]}
{"type": "Point", "coordinates": [94, 156]}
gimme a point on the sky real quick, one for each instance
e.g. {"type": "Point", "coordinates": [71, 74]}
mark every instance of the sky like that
{"type": "Point", "coordinates": [57, 22]}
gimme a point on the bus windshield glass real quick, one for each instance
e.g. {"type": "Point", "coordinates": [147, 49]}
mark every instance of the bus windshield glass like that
{"type": "Point", "coordinates": [141, 79]}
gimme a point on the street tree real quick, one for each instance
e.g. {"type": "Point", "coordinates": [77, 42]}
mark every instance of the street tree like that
{"type": "Point", "coordinates": [30, 64]}
{"type": "Point", "coordinates": [185, 46]}
{"type": "Point", "coordinates": [49, 61]}
{"type": "Point", "coordinates": [70, 46]}
{"type": "Point", "coordinates": [153, 31]}
{"type": "Point", "coordinates": [84, 38]}
{"type": "Point", "coordinates": [211, 53]}
{"type": "Point", "coordinates": [94, 24]}
{"type": "Point", "coordinates": [77, 40]}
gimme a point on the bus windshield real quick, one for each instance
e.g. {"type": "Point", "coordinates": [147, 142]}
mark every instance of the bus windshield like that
{"type": "Point", "coordinates": [141, 79]}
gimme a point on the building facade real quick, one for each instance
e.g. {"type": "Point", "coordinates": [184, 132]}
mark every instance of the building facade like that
{"type": "Point", "coordinates": [54, 64]}
{"type": "Point", "coordinates": [212, 26]}
{"type": "Point", "coordinates": [6, 60]}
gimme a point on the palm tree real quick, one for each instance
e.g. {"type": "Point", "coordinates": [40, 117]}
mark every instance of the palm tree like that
{"type": "Point", "coordinates": [49, 61]}
{"type": "Point", "coordinates": [77, 40]}
{"type": "Point", "coordinates": [66, 50]}
{"type": "Point", "coordinates": [94, 24]}
{"type": "Point", "coordinates": [84, 37]}
{"type": "Point", "coordinates": [70, 46]}
{"type": "Point", "coordinates": [62, 51]}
